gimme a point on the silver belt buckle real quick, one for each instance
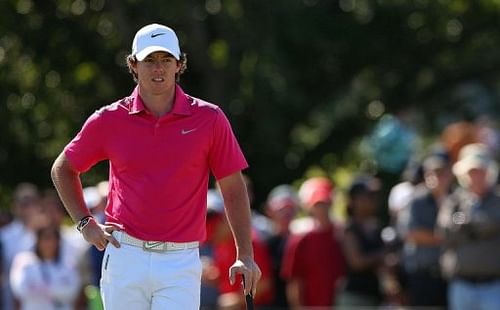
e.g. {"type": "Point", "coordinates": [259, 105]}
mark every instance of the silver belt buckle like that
{"type": "Point", "coordinates": [175, 247]}
{"type": "Point", "coordinates": [153, 246]}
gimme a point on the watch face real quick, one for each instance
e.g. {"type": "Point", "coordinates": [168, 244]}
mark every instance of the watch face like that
{"type": "Point", "coordinates": [83, 223]}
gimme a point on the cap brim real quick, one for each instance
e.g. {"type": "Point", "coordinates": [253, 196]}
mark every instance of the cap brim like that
{"type": "Point", "coordinates": [151, 49]}
{"type": "Point", "coordinates": [464, 166]}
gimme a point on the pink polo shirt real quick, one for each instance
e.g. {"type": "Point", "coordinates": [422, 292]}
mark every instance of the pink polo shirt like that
{"type": "Point", "coordinates": [159, 167]}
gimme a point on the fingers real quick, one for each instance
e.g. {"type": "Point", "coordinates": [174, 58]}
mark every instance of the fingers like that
{"type": "Point", "coordinates": [232, 274]}
{"type": "Point", "coordinates": [109, 238]}
{"type": "Point", "coordinates": [108, 235]}
{"type": "Point", "coordinates": [100, 246]}
{"type": "Point", "coordinates": [256, 277]}
{"type": "Point", "coordinates": [100, 236]}
{"type": "Point", "coordinates": [253, 278]}
{"type": "Point", "coordinates": [246, 275]}
{"type": "Point", "coordinates": [251, 275]}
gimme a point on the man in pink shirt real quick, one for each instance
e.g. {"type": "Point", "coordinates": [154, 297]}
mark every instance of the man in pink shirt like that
{"type": "Point", "coordinates": [161, 145]}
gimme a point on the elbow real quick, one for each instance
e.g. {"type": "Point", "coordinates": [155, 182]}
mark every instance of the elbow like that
{"type": "Point", "coordinates": [61, 168]}
{"type": "Point", "coordinates": [56, 169]}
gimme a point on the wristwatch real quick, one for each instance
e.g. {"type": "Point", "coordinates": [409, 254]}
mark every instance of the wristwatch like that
{"type": "Point", "coordinates": [84, 222]}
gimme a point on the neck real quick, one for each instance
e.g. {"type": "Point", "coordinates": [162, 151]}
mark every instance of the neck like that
{"type": "Point", "coordinates": [158, 104]}
{"type": "Point", "coordinates": [480, 193]}
{"type": "Point", "coordinates": [439, 194]}
{"type": "Point", "coordinates": [323, 222]}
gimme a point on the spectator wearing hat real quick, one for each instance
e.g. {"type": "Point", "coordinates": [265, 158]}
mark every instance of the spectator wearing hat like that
{"type": "Point", "coordinates": [281, 207]}
{"type": "Point", "coordinates": [363, 246]}
{"type": "Point", "coordinates": [422, 244]}
{"type": "Point", "coordinates": [470, 223]}
{"type": "Point", "coordinates": [313, 261]}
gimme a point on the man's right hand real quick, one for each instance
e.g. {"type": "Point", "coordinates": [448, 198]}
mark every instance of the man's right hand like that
{"type": "Point", "coordinates": [99, 235]}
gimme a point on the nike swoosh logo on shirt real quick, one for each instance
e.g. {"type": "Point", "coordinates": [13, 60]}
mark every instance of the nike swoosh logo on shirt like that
{"type": "Point", "coordinates": [185, 132]}
{"type": "Point", "coordinates": [157, 34]}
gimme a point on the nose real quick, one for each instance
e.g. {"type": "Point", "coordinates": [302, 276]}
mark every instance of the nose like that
{"type": "Point", "coordinates": [157, 65]}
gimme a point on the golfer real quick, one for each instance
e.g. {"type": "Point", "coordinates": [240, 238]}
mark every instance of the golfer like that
{"type": "Point", "coordinates": [161, 145]}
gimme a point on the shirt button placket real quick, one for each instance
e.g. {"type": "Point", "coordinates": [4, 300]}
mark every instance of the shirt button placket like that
{"type": "Point", "coordinates": [157, 127]}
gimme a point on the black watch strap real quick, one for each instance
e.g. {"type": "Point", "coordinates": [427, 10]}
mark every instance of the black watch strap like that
{"type": "Point", "coordinates": [83, 222]}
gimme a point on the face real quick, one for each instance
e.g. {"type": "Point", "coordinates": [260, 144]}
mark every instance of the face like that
{"type": "Point", "coordinates": [156, 73]}
{"type": "Point", "coordinates": [366, 203]}
{"type": "Point", "coordinates": [440, 178]}
{"type": "Point", "coordinates": [320, 210]}
{"type": "Point", "coordinates": [478, 180]}
{"type": "Point", "coordinates": [48, 244]}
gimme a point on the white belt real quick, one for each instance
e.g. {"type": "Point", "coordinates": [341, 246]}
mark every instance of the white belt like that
{"type": "Point", "coordinates": [158, 246]}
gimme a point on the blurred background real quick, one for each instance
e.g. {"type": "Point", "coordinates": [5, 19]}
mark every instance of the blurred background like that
{"type": "Point", "coordinates": [304, 83]}
{"type": "Point", "coordinates": [313, 88]}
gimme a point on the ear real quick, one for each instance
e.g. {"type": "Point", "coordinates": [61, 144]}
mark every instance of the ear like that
{"type": "Point", "coordinates": [133, 66]}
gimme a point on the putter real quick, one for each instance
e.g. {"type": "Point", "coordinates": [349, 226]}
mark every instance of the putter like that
{"type": "Point", "coordinates": [248, 297]}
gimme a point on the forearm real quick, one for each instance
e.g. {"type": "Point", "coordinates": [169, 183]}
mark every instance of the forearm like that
{"type": "Point", "coordinates": [69, 187]}
{"type": "Point", "coordinates": [237, 208]}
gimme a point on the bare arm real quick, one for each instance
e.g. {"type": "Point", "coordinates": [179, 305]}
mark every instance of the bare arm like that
{"type": "Point", "coordinates": [237, 207]}
{"type": "Point", "coordinates": [69, 187]}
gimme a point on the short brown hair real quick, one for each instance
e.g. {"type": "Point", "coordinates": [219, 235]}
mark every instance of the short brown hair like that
{"type": "Point", "coordinates": [130, 59]}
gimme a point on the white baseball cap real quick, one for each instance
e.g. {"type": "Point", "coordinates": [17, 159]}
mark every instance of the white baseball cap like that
{"type": "Point", "coordinates": [472, 156]}
{"type": "Point", "coordinates": [153, 38]}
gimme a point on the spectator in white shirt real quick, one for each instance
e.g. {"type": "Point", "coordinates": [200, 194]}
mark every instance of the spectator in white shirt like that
{"type": "Point", "coordinates": [40, 279]}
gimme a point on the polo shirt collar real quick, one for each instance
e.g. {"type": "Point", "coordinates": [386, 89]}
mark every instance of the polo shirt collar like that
{"type": "Point", "coordinates": [137, 105]}
{"type": "Point", "coordinates": [181, 102]}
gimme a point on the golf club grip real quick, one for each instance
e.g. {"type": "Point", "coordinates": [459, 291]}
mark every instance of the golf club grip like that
{"type": "Point", "coordinates": [249, 301]}
{"type": "Point", "coordinates": [248, 297]}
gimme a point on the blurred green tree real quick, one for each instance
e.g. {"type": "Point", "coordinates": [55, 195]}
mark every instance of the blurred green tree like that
{"type": "Point", "coordinates": [301, 80]}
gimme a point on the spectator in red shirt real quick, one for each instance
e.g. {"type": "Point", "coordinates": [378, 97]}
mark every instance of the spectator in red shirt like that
{"type": "Point", "coordinates": [223, 253]}
{"type": "Point", "coordinates": [313, 261]}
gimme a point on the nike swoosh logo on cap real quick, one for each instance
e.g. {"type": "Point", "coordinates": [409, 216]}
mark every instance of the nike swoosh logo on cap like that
{"type": "Point", "coordinates": [157, 34]}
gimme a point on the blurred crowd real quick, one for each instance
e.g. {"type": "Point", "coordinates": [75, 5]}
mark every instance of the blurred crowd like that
{"type": "Point", "coordinates": [45, 263]}
{"type": "Point", "coordinates": [439, 246]}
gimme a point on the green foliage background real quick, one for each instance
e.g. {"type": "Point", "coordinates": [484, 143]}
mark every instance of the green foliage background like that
{"type": "Point", "coordinates": [301, 81]}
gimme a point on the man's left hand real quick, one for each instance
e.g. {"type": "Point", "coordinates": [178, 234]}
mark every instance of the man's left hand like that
{"type": "Point", "coordinates": [249, 270]}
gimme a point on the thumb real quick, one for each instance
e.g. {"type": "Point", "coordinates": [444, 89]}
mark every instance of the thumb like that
{"type": "Point", "coordinates": [232, 275]}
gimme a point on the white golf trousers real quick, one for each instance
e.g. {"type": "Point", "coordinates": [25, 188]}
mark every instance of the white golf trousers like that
{"type": "Point", "coordinates": [133, 278]}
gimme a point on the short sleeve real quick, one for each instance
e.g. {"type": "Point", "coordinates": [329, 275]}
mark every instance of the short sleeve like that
{"type": "Point", "coordinates": [225, 157]}
{"type": "Point", "coordinates": [87, 147]}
